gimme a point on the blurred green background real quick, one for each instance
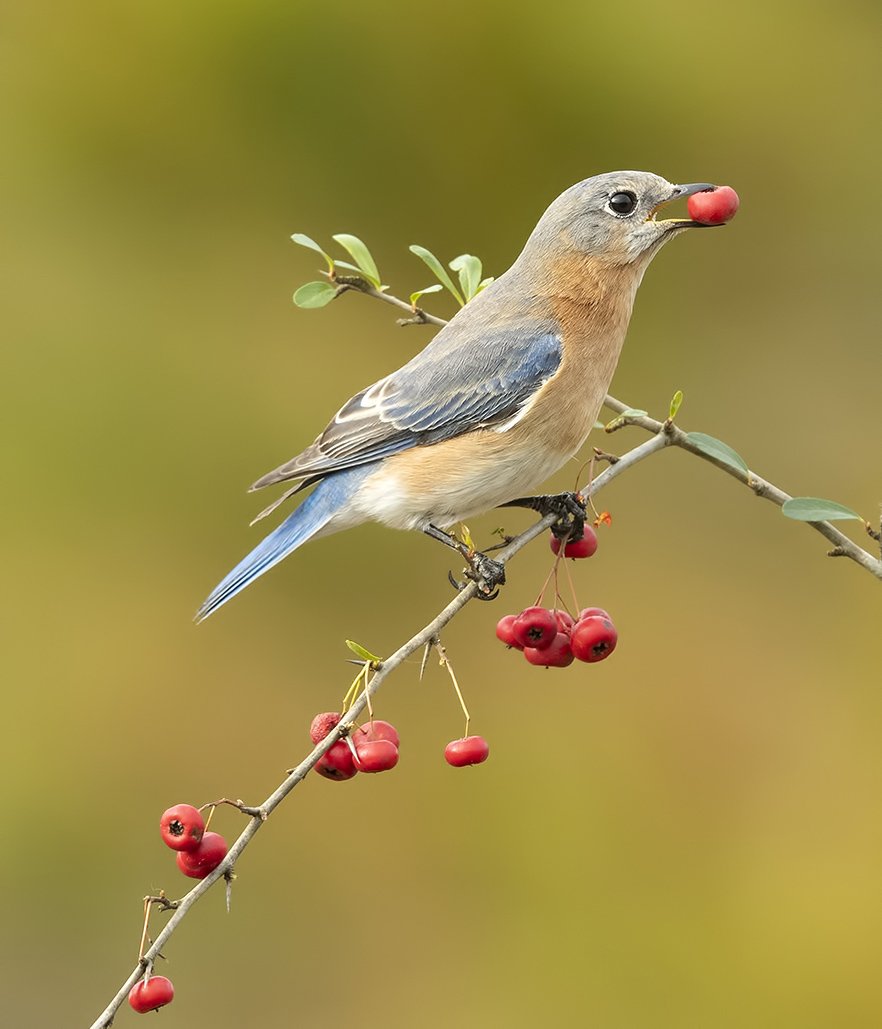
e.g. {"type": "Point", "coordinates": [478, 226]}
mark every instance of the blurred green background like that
{"type": "Point", "coordinates": [686, 835]}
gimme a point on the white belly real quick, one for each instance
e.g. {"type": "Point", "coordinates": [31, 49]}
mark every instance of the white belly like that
{"type": "Point", "coordinates": [456, 493]}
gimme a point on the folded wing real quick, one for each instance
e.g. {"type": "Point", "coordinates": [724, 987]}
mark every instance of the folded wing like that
{"type": "Point", "coordinates": [451, 387]}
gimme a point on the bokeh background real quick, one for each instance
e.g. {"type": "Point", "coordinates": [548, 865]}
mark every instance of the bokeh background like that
{"type": "Point", "coordinates": [687, 835]}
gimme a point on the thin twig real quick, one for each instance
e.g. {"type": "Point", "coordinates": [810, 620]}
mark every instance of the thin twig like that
{"type": "Point", "coordinates": [674, 436]}
{"type": "Point", "coordinates": [417, 315]}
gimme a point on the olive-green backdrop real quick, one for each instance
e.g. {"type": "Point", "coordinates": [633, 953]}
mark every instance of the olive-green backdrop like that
{"type": "Point", "coordinates": [685, 836]}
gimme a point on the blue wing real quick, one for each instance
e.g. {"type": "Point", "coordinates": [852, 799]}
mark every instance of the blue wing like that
{"type": "Point", "coordinates": [457, 384]}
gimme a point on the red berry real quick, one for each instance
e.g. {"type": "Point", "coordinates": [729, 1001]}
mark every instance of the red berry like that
{"type": "Point", "coordinates": [505, 631]}
{"type": "Point", "coordinates": [181, 827]}
{"type": "Point", "coordinates": [207, 856]}
{"type": "Point", "coordinates": [714, 207]}
{"type": "Point", "coordinates": [592, 612]}
{"type": "Point", "coordinates": [558, 655]}
{"type": "Point", "coordinates": [322, 724]}
{"type": "Point", "coordinates": [535, 627]}
{"type": "Point", "coordinates": [376, 729]}
{"type": "Point", "coordinates": [337, 763]}
{"type": "Point", "coordinates": [376, 755]}
{"type": "Point", "coordinates": [564, 621]}
{"type": "Point", "coordinates": [583, 547]}
{"type": "Point", "coordinates": [471, 750]}
{"type": "Point", "coordinates": [593, 639]}
{"type": "Point", "coordinates": [151, 994]}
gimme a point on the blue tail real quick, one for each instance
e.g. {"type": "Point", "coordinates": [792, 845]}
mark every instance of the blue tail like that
{"type": "Point", "coordinates": [313, 514]}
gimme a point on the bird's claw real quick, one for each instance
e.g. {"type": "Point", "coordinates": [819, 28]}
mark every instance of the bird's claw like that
{"type": "Point", "coordinates": [571, 513]}
{"type": "Point", "coordinates": [455, 583]}
{"type": "Point", "coordinates": [486, 572]}
{"type": "Point", "coordinates": [568, 508]}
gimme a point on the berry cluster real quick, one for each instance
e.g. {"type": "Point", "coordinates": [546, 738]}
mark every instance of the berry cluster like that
{"type": "Point", "coordinates": [199, 852]}
{"type": "Point", "coordinates": [551, 637]}
{"type": "Point", "coordinates": [554, 639]}
{"type": "Point", "coordinates": [370, 748]}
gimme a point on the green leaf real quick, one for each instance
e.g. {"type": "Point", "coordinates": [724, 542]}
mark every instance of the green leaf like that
{"type": "Point", "coordinates": [469, 269]}
{"type": "Point", "coordinates": [484, 283]}
{"type": "Point", "coordinates": [315, 294]}
{"type": "Point", "coordinates": [435, 288]}
{"type": "Point", "coordinates": [360, 652]}
{"type": "Point", "coordinates": [814, 509]}
{"type": "Point", "coordinates": [310, 244]}
{"type": "Point", "coordinates": [599, 425]}
{"type": "Point", "coordinates": [676, 400]}
{"type": "Point", "coordinates": [632, 412]}
{"type": "Point", "coordinates": [361, 255]}
{"type": "Point", "coordinates": [718, 450]}
{"type": "Point", "coordinates": [428, 258]}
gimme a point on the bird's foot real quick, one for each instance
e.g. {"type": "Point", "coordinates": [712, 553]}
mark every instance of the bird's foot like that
{"type": "Point", "coordinates": [568, 508]}
{"type": "Point", "coordinates": [488, 573]}
{"type": "Point", "coordinates": [485, 571]}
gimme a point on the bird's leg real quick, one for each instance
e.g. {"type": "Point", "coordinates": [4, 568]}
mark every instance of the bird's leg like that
{"type": "Point", "coordinates": [483, 570]}
{"type": "Point", "coordinates": [568, 508]}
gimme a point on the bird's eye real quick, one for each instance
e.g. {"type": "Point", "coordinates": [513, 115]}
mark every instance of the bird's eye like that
{"type": "Point", "coordinates": [623, 203]}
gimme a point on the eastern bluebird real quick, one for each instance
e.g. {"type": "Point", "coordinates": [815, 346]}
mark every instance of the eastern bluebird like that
{"type": "Point", "coordinates": [503, 395]}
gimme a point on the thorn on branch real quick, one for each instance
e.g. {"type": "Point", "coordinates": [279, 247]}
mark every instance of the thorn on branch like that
{"type": "Point", "coordinates": [503, 543]}
{"type": "Point", "coordinates": [426, 651]}
{"type": "Point", "coordinates": [229, 876]}
{"type": "Point", "coordinates": [252, 812]}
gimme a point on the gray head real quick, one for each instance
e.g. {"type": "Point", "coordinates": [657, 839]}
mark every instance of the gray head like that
{"type": "Point", "coordinates": [612, 217]}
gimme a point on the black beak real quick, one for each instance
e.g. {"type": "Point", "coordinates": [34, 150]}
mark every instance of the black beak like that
{"type": "Point", "coordinates": [692, 187]}
{"type": "Point", "coordinates": [685, 190]}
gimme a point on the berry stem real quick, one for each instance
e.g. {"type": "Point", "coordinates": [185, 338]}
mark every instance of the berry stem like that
{"type": "Point", "coordinates": [147, 906]}
{"type": "Point", "coordinates": [545, 585]}
{"type": "Point", "coordinates": [445, 662]}
{"type": "Point", "coordinates": [367, 692]}
{"type": "Point", "coordinates": [571, 583]}
{"type": "Point", "coordinates": [355, 688]}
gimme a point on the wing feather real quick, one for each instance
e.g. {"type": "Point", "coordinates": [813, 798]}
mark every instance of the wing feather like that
{"type": "Point", "coordinates": [451, 387]}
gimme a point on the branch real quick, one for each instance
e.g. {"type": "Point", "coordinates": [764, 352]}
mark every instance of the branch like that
{"type": "Point", "coordinates": [842, 545]}
{"type": "Point", "coordinates": [663, 435]}
{"type": "Point", "coordinates": [417, 315]}
{"type": "Point", "coordinates": [426, 635]}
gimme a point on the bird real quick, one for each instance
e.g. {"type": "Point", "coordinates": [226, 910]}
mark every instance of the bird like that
{"type": "Point", "coordinates": [500, 399]}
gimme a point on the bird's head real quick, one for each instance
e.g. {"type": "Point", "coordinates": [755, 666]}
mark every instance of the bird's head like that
{"type": "Point", "coordinates": [613, 218]}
